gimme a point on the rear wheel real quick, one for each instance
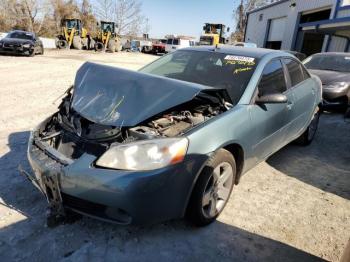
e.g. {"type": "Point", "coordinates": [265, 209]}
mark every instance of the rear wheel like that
{"type": "Point", "coordinates": [309, 134]}
{"type": "Point", "coordinates": [62, 44]}
{"type": "Point", "coordinates": [213, 189]}
{"type": "Point", "coordinates": [77, 43]}
{"type": "Point", "coordinates": [99, 47]}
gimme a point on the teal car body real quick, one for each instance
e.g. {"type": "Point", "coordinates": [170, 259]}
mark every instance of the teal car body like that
{"type": "Point", "coordinates": [258, 124]}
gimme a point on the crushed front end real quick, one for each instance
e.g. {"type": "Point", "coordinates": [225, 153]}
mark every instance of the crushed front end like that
{"type": "Point", "coordinates": [65, 149]}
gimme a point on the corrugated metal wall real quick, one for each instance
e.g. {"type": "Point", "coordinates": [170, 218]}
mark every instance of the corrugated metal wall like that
{"type": "Point", "coordinates": [258, 22]}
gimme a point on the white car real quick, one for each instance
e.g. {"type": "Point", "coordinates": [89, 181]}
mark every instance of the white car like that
{"type": "Point", "coordinates": [244, 44]}
{"type": "Point", "coordinates": [175, 43]}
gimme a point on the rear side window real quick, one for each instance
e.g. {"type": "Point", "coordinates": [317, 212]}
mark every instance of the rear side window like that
{"type": "Point", "coordinates": [272, 80]}
{"type": "Point", "coordinates": [176, 41]}
{"type": "Point", "coordinates": [295, 71]}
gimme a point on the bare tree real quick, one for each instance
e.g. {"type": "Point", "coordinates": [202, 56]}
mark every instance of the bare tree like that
{"type": "Point", "coordinates": [240, 15]}
{"type": "Point", "coordinates": [126, 13]}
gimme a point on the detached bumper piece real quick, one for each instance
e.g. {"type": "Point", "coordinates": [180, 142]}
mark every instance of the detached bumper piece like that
{"type": "Point", "coordinates": [47, 180]}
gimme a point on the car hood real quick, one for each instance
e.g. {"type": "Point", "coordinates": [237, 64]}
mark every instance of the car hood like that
{"type": "Point", "coordinates": [118, 97]}
{"type": "Point", "coordinates": [327, 77]}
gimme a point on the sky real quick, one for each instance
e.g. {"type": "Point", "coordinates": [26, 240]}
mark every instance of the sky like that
{"type": "Point", "coordinates": [186, 17]}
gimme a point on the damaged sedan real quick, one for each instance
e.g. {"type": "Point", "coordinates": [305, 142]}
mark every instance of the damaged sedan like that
{"type": "Point", "coordinates": [171, 140]}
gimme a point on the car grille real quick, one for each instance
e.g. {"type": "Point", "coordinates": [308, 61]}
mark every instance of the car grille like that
{"type": "Point", "coordinates": [94, 209]}
{"type": "Point", "coordinates": [83, 205]}
{"type": "Point", "coordinates": [12, 45]}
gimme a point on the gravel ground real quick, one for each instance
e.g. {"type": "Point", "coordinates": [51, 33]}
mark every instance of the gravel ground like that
{"type": "Point", "coordinates": [293, 207]}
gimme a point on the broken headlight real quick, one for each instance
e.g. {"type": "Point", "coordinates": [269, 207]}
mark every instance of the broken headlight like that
{"type": "Point", "coordinates": [145, 155]}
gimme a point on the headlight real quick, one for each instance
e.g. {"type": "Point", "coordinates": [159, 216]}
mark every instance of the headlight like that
{"type": "Point", "coordinates": [26, 46]}
{"type": "Point", "coordinates": [338, 86]}
{"type": "Point", "coordinates": [145, 155]}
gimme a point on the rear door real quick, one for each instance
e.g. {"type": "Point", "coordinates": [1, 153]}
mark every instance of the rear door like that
{"type": "Point", "coordinates": [304, 97]}
{"type": "Point", "coordinates": [270, 120]}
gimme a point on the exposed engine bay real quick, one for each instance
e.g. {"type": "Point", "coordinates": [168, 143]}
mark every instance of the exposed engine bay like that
{"type": "Point", "coordinates": [73, 135]}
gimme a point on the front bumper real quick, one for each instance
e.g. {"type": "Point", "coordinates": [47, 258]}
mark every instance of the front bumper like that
{"type": "Point", "coordinates": [336, 97]}
{"type": "Point", "coordinates": [122, 197]}
{"type": "Point", "coordinates": [16, 50]}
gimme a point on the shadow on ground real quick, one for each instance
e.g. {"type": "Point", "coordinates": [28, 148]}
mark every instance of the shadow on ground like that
{"type": "Point", "coordinates": [325, 163]}
{"type": "Point", "coordinates": [28, 239]}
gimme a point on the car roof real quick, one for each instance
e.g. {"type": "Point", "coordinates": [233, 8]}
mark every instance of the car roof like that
{"type": "Point", "coordinates": [242, 51]}
{"type": "Point", "coordinates": [22, 31]}
{"type": "Point", "coordinates": [332, 54]}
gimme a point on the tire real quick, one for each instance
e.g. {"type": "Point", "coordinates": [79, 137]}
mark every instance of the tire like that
{"type": "Point", "coordinates": [62, 44]}
{"type": "Point", "coordinates": [99, 47]}
{"type": "Point", "coordinates": [111, 45]}
{"type": "Point", "coordinates": [211, 193]}
{"type": "Point", "coordinates": [77, 43]}
{"type": "Point", "coordinates": [31, 53]}
{"type": "Point", "coordinates": [308, 136]}
{"type": "Point", "coordinates": [41, 50]}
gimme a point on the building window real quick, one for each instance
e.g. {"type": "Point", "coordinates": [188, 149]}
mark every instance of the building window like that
{"type": "Point", "coordinates": [261, 16]}
{"type": "Point", "coordinates": [345, 3]}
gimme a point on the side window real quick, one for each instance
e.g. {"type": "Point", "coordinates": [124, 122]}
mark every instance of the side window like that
{"type": "Point", "coordinates": [306, 74]}
{"type": "Point", "coordinates": [273, 80]}
{"type": "Point", "coordinates": [295, 71]}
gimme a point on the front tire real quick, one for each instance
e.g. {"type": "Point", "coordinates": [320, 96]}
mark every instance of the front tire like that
{"type": "Point", "coordinates": [308, 136]}
{"type": "Point", "coordinates": [213, 189]}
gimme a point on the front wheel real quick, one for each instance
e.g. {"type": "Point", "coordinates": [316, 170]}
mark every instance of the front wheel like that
{"type": "Point", "coordinates": [213, 189]}
{"type": "Point", "coordinates": [309, 134]}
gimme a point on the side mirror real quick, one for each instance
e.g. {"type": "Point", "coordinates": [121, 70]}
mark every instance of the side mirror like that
{"type": "Point", "coordinates": [228, 29]}
{"type": "Point", "coordinates": [272, 99]}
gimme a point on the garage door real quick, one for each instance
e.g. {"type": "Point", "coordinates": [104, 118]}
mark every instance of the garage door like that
{"type": "Point", "coordinates": [277, 27]}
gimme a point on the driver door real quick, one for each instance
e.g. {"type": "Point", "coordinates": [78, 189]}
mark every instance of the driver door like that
{"type": "Point", "coordinates": [270, 121]}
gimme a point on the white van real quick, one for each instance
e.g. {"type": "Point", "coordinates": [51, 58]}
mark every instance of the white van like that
{"type": "Point", "coordinates": [175, 43]}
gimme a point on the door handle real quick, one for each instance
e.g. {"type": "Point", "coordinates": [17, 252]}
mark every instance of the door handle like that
{"type": "Point", "coordinates": [290, 105]}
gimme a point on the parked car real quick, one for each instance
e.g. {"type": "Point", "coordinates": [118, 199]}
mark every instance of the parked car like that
{"type": "Point", "coordinates": [159, 47]}
{"type": "Point", "coordinates": [176, 43]}
{"type": "Point", "coordinates": [334, 71]}
{"type": "Point", "coordinates": [300, 56]}
{"type": "Point", "coordinates": [144, 46]}
{"type": "Point", "coordinates": [172, 139]}
{"type": "Point", "coordinates": [21, 43]}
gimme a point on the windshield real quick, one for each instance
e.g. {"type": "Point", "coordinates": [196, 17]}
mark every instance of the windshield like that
{"type": "Point", "coordinates": [72, 24]}
{"type": "Point", "coordinates": [107, 27]}
{"type": "Point", "coordinates": [339, 63]}
{"type": "Point", "coordinates": [232, 72]}
{"type": "Point", "coordinates": [21, 35]}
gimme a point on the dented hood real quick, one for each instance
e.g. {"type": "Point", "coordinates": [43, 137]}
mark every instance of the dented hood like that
{"type": "Point", "coordinates": [119, 97]}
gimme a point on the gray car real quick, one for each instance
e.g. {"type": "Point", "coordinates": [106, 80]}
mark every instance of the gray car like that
{"type": "Point", "coordinates": [172, 139]}
{"type": "Point", "coordinates": [334, 71]}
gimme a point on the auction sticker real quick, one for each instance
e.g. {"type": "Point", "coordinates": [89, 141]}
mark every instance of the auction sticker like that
{"type": "Point", "coordinates": [240, 58]}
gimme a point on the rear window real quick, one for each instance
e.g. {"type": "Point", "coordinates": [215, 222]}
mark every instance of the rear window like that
{"type": "Point", "coordinates": [295, 71]}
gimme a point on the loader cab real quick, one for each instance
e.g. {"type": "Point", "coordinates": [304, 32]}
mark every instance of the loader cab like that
{"type": "Point", "coordinates": [72, 24]}
{"type": "Point", "coordinates": [108, 27]}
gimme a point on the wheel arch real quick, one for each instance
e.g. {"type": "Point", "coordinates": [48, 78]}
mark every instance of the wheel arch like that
{"type": "Point", "coordinates": [238, 153]}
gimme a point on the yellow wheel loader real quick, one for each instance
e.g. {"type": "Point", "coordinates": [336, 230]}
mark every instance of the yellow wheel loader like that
{"type": "Point", "coordinates": [214, 34]}
{"type": "Point", "coordinates": [107, 38]}
{"type": "Point", "coordinates": [73, 35]}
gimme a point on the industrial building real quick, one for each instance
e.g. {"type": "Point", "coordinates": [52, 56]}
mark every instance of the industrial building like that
{"type": "Point", "coordinates": [307, 26]}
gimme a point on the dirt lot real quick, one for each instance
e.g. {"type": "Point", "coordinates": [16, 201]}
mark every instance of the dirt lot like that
{"type": "Point", "coordinates": [294, 207]}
